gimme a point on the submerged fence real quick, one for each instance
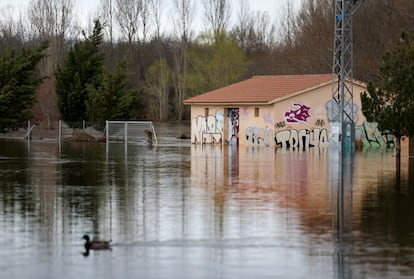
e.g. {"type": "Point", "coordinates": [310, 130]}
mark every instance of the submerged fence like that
{"type": "Point", "coordinates": [127, 131]}
{"type": "Point", "coordinates": [109, 131]}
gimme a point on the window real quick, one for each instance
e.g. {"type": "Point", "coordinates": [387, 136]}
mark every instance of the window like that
{"type": "Point", "coordinates": [206, 112]}
{"type": "Point", "coordinates": [256, 112]}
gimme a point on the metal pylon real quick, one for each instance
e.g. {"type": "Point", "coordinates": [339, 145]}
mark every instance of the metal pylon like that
{"type": "Point", "coordinates": [342, 110]}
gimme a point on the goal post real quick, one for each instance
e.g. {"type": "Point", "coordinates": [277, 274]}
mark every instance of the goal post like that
{"type": "Point", "coordinates": [131, 131]}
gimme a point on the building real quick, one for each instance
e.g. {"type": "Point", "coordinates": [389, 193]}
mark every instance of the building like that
{"type": "Point", "coordinates": [283, 110]}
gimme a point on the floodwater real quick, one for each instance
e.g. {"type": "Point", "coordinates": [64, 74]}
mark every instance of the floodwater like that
{"type": "Point", "coordinates": [181, 211]}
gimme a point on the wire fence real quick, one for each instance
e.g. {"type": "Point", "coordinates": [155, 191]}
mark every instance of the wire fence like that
{"type": "Point", "coordinates": [125, 131]}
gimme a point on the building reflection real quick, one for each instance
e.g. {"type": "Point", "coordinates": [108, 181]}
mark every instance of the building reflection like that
{"type": "Point", "coordinates": [291, 192]}
{"type": "Point", "coordinates": [264, 188]}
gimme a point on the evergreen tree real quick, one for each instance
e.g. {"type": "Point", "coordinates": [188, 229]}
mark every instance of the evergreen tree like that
{"type": "Point", "coordinates": [391, 104]}
{"type": "Point", "coordinates": [111, 99]}
{"type": "Point", "coordinates": [18, 84]}
{"type": "Point", "coordinates": [82, 67]}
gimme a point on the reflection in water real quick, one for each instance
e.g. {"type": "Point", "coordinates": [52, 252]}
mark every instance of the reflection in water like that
{"type": "Point", "coordinates": [86, 253]}
{"type": "Point", "coordinates": [341, 172]}
{"type": "Point", "coordinates": [183, 211]}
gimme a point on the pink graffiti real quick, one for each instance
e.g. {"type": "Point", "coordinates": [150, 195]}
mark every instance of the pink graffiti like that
{"type": "Point", "coordinates": [299, 115]}
{"type": "Point", "coordinates": [267, 117]}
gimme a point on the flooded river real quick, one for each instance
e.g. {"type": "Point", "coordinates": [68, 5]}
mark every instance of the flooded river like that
{"type": "Point", "coordinates": [182, 211]}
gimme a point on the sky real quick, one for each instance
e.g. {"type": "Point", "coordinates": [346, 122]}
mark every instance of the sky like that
{"type": "Point", "coordinates": [86, 9]}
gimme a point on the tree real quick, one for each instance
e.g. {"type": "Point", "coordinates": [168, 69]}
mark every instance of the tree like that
{"type": "Point", "coordinates": [111, 99]}
{"type": "Point", "coordinates": [159, 77]}
{"type": "Point", "coordinates": [18, 84]}
{"type": "Point", "coordinates": [217, 14]}
{"type": "Point", "coordinates": [185, 15]}
{"type": "Point", "coordinates": [13, 30]}
{"type": "Point", "coordinates": [82, 66]}
{"type": "Point", "coordinates": [128, 17]}
{"type": "Point", "coordinates": [391, 104]}
{"type": "Point", "coordinates": [107, 13]}
{"type": "Point", "coordinates": [155, 7]}
{"type": "Point", "coordinates": [52, 20]}
{"type": "Point", "coordinates": [215, 63]}
{"type": "Point", "coordinates": [254, 31]}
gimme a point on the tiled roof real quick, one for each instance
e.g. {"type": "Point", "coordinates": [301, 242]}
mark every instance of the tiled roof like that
{"type": "Point", "coordinates": [261, 89]}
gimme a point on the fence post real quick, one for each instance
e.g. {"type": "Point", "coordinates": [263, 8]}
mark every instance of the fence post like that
{"type": "Point", "coordinates": [153, 132]}
{"type": "Point", "coordinates": [126, 132]}
{"type": "Point", "coordinates": [107, 139]}
{"type": "Point", "coordinates": [29, 132]}
{"type": "Point", "coordinates": [60, 132]}
{"type": "Point", "coordinates": [60, 136]}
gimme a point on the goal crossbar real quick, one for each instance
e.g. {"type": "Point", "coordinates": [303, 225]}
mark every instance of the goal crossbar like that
{"type": "Point", "coordinates": [131, 131]}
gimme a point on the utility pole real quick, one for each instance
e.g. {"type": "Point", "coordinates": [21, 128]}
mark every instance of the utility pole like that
{"type": "Point", "coordinates": [341, 116]}
{"type": "Point", "coordinates": [342, 110]}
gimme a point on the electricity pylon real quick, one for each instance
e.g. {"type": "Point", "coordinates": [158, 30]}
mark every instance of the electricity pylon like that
{"type": "Point", "coordinates": [342, 107]}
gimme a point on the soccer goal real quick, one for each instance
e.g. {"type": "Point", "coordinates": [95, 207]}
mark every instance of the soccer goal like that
{"type": "Point", "coordinates": [131, 131]}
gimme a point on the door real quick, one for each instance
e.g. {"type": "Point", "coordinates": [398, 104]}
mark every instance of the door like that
{"type": "Point", "coordinates": [233, 116]}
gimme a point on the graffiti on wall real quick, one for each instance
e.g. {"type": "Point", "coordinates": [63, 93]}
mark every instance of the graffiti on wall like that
{"type": "Point", "coordinates": [244, 113]}
{"type": "Point", "coordinates": [284, 135]}
{"type": "Point", "coordinates": [372, 137]}
{"type": "Point", "coordinates": [301, 114]}
{"type": "Point", "coordinates": [332, 111]}
{"type": "Point", "coordinates": [259, 136]}
{"type": "Point", "coordinates": [208, 129]}
{"type": "Point", "coordinates": [267, 118]}
{"type": "Point", "coordinates": [303, 138]}
{"type": "Point", "coordinates": [233, 125]}
{"type": "Point", "coordinates": [288, 137]}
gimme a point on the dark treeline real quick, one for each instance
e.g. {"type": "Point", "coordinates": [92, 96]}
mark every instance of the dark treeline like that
{"type": "Point", "coordinates": [169, 67]}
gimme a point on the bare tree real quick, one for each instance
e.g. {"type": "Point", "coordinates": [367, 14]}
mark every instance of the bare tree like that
{"type": "Point", "coordinates": [158, 83]}
{"type": "Point", "coordinates": [128, 13]}
{"type": "Point", "coordinates": [41, 17]}
{"type": "Point", "coordinates": [52, 20]}
{"type": "Point", "coordinates": [142, 55]}
{"type": "Point", "coordinates": [377, 25]}
{"type": "Point", "coordinates": [217, 14]}
{"type": "Point", "coordinates": [145, 19]}
{"type": "Point", "coordinates": [185, 11]}
{"type": "Point", "coordinates": [51, 17]}
{"type": "Point", "coordinates": [107, 14]}
{"type": "Point", "coordinates": [308, 33]}
{"type": "Point", "coordinates": [156, 11]}
{"type": "Point", "coordinates": [287, 25]}
{"type": "Point", "coordinates": [13, 29]}
{"type": "Point", "coordinates": [264, 30]}
{"type": "Point", "coordinates": [254, 30]}
{"type": "Point", "coordinates": [241, 29]}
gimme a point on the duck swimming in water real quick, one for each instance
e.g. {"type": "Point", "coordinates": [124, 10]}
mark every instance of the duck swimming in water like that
{"type": "Point", "coordinates": [96, 244]}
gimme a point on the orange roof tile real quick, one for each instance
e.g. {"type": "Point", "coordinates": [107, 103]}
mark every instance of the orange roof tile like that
{"type": "Point", "coordinates": [261, 89]}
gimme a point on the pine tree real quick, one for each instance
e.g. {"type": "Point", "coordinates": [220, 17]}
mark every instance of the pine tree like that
{"type": "Point", "coordinates": [391, 104]}
{"type": "Point", "coordinates": [18, 83]}
{"type": "Point", "coordinates": [112, 99]}
{"type": "Point", "coordinates": [82, 67]}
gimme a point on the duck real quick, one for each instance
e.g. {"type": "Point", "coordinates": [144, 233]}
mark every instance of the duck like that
{"type": "Point", "coordinates": [96, 244]}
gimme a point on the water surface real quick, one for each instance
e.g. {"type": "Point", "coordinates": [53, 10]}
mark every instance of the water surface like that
{"type": "Point", "coordinates": [182, 211]}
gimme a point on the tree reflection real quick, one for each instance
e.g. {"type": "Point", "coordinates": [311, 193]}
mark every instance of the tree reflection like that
{"type": "Point", "coordinates": [16, 192]}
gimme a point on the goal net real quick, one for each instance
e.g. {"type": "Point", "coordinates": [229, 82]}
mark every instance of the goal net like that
{"type": "Point", "coordinates": [131, 131]}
